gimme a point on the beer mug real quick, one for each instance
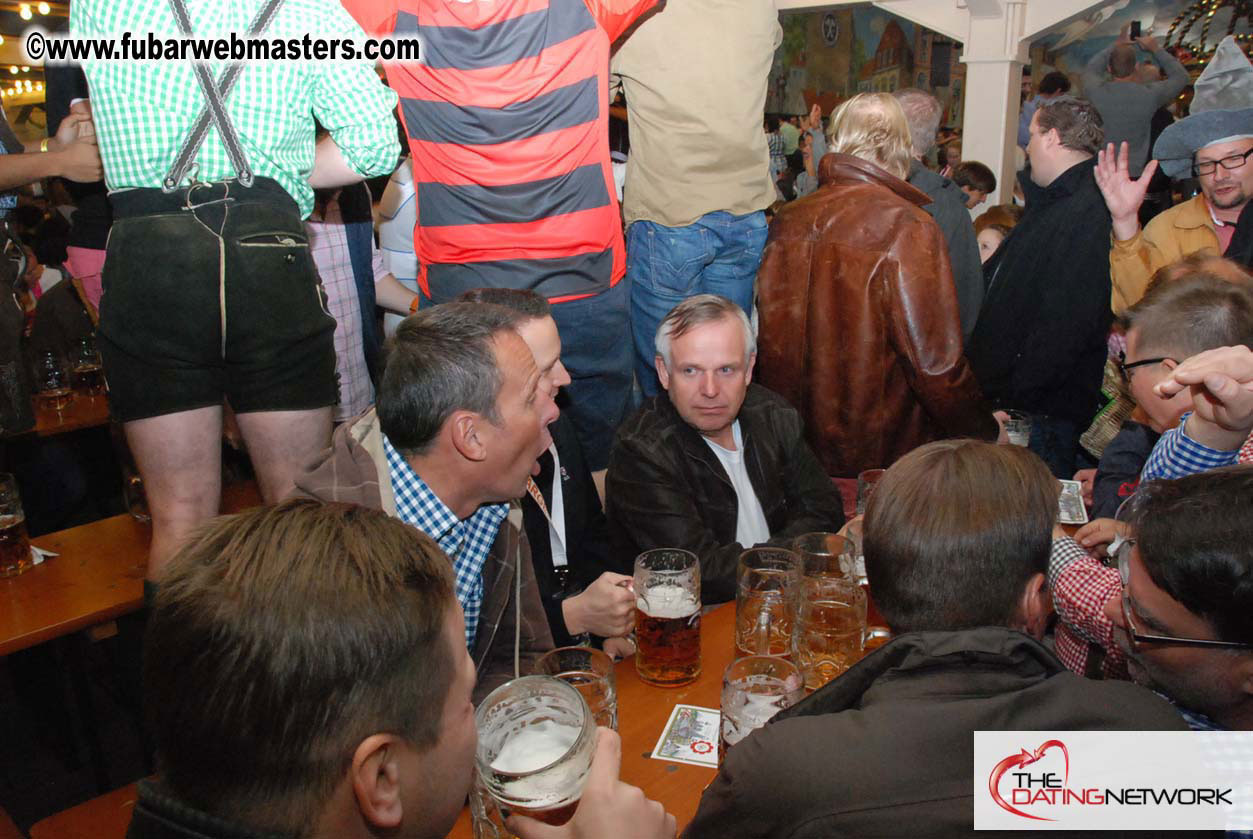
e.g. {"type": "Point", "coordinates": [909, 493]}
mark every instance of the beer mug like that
{"type": "Point", "coordinates": [767, 585]}
{"type": "Point", "coordinates": [536, 739]}
{"type": "Point", "coordinates": [53, 383]}
{"type": "Point", "coordinates": [1018, 428]}
{"type": "Point", "coordinates": [14, 546]}
{"type": "Point", "coordinates": [667, 617]}
{"type": "Point", "coordinates": [824, 555]}
{"type": "Point", "coordinates": [88, 371]}
{"type": "Point", "coordinates": [754, 689]}
{"type": "Point", "coordinates": [590, 672]}
{"type": "Point", "coordinates": [830, 628]}
{"type": "Point", "coordinates": [486, 820]}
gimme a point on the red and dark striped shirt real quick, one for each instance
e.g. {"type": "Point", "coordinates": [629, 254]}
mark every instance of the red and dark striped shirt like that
{"type": "Point", "coordinates": [507, 119]}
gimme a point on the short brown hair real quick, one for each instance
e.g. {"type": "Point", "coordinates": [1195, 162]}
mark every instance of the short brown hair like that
{"type": "Point", "coordinates": [1198, 311]}
{"type": "Point", "coordinates": [954, 531]}
{"type": "Point", "coordinates": [1078, 123]}
{"type": "Point", "coordinates": [975, 175]}
{"type": "Point", "coordinates": [999, 215]}
{"type": "Point", "coordinates": [1201, 262]}
{"type": "Point", "coordinates": [694, 311]}
{"type": "Point", "coordinates": [282, 637]}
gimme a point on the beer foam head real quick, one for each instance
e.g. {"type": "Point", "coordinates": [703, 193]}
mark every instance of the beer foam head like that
{"type": "Point", "coordinates": [535, 746]}
{"type": "Point", "coordinates": [666, 601]}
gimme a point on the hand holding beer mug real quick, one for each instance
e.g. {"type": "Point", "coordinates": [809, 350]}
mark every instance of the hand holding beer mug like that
{"type": "Point", "coordinates": [610, 809]}
{"type": "Point", "coordinates": [536, 736]}
{"type": "Point", "coordinates": [667, 617]}
{"type": "Point", "coordinates": [767, 586]}
{"type": "Point", "coordinates": [754, 689]}
{"type": "Point", "coordinates": [590, 671]}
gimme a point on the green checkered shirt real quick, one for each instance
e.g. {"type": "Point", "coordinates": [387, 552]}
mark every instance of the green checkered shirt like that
{"type": "Point", "coordinates": [144, 110]}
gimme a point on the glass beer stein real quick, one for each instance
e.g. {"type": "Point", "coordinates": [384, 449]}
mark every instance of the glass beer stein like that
{"type": "Point", "coordinates": [536, 739]}
{"type": "Point", "coordinates": [667, 617]}
{"type": "Point", "coordinates": [767, 586]}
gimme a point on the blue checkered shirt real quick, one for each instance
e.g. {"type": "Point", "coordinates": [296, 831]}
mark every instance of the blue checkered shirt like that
{"type": "Point", "coordinates": [1176, 454]}
{"type": "Point", "coordinates": [467, 543]}
{"type": "Point", "coordinates": [1236, 759]}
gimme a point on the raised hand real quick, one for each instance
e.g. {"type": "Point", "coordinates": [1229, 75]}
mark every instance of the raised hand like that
{"type": "Point", "coordinates": [1123, 194]}
{"type": "Point", "coordinates": [815, 117]}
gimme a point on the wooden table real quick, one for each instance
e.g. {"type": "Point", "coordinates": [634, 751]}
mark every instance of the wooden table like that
{"type": "Point", "coordinates": [83, 412]}
{"type": "Point", "coordinates": [105, 817]}
{"type": "Point", "coordinates": [643, 711]}
{"type": "Point", "coordinates": [97, 577]}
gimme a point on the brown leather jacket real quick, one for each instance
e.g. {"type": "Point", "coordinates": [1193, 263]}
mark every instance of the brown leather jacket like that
{"type": "Point", "coordinates": [859, 321]}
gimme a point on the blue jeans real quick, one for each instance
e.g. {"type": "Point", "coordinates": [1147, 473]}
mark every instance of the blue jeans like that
{"type": "Point", "coordinates": [1056, 441]}
{"type": "Point", "coordinates": [717, 254]}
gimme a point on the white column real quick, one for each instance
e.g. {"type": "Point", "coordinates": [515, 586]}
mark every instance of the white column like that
{"type": "Point", "coordinates": [995, 53]}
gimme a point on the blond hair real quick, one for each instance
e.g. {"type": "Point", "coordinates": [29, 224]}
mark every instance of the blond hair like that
{"type": "Point", "coordinates": [872, 126]}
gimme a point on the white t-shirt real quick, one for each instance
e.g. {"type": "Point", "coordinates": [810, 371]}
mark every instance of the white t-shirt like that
{"type": "Point", "coordinates": [750, 521]}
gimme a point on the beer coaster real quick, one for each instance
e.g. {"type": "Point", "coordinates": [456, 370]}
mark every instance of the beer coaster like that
{"type": "Point", "coordinates": [690, 736]}
{"type": "Point", "coordinates": [1071, 509]}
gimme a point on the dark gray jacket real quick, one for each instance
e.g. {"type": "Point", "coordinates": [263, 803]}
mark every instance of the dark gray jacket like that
{"type": "Point", "coordinates": [887, 748]}
{"type": "Point", "coordinates": [948, 208]}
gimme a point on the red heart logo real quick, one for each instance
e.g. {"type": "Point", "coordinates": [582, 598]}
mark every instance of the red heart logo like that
{"type": "Point", "coordinates": [1024, 758]}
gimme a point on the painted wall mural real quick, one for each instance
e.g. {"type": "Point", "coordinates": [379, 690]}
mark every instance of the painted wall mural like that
{"type": "Point", "coordinates": [828, 55]}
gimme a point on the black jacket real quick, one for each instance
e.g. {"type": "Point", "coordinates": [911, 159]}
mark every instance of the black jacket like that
{"type": "Point", "coordinates": [158, 815]}
{"type": "Point", "coordinates": [887, 748]}
{"type": "Point", "coordinates": [667, 489]}
{"type": "Point", "coordinates": [1039, 344]}
{"type": "Point", "coordinates": [586, 537]}
{"type": "Point", "coordinates": [1118, 473]}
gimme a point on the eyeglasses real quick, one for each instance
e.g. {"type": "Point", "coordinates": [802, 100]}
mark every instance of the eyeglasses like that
{"type": "Point", "coordinates": [1208, 167]}
{"type": "Point", "coordinates": [1124, 369]}
{"type": "Point", "coordinates": [1122, 549]}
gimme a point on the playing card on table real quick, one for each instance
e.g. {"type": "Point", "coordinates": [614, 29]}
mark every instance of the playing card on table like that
{"type": "Point", "coordinates": [690, 736]}
{"type": "Point", "coordinates": [1070, 504]}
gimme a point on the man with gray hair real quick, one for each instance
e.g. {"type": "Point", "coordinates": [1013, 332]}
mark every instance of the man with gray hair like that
{"type": "Point", "coordinates": [948, 204]}
{"type": "Point", "coordinates": [715, 464]}
{"type": "Point", "coordinates": [461, 418]}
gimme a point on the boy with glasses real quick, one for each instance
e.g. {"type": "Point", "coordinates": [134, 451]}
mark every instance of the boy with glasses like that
{"type": "Point", "coordinates": [1207, 304]}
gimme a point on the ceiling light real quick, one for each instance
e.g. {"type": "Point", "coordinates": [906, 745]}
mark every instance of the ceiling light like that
{"type": "Point", "coordinates": [44, 8]}
{"type": "Point", "coordinates": [24, 12]}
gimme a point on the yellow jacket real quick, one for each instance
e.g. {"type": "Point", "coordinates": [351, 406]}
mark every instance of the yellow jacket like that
{"type": "Point", "coordinates": [1182, 230]}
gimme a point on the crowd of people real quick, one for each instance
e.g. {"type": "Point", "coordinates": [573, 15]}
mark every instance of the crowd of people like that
{"type": "Point", "coordinates": [572, 382]}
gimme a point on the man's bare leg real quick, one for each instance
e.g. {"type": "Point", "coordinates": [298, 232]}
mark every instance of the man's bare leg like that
{"type": "Point", "coordinates": [179, 457]}
{"type": "Point", "coordinates": [280, 443]}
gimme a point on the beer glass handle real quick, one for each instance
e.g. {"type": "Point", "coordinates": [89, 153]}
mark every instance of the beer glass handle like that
{"type": "Point", "coordinates": [763, 632]}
